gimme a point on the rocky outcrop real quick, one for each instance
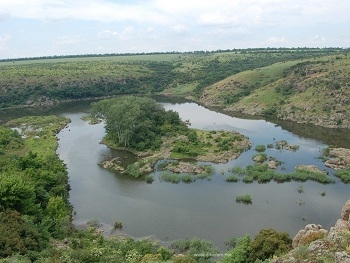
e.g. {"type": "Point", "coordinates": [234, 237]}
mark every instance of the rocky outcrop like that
{"type": "Point", "coordinates": [311, 168]}
{"type": "Point", "coordinates": [307, 233]}
{"type": "Point", "coordinates": [185, 167]}
{"type": "Point", "coordinates": [112, 165]}
{"type": "Point", "coordinates": [320, 243]}
{"type": "Point", "coordinates": [340, 158]}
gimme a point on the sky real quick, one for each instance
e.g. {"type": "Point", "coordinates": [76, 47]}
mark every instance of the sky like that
{"type": "Point", "coordinates": [32, 28]}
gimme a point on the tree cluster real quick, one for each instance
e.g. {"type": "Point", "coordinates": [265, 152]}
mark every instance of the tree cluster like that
{"type": "Point", "coordinates": [136, 122]}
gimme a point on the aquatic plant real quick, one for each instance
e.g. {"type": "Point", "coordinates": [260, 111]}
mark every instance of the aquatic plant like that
{"type": "Point", "coordinates": [246, 199]}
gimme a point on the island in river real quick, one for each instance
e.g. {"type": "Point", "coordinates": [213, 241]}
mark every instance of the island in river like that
{"type": "Point", "coordinates": [205, 146]}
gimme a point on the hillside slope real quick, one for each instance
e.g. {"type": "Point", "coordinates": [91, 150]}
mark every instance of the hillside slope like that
{"type": "Point", "coordinates": [311, 91]}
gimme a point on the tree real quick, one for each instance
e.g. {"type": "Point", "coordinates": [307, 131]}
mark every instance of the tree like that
{"type": "Point", "coordinates": [135, 122]}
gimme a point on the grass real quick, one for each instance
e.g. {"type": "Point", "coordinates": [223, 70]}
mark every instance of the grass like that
{"type": "Point", "coordinates": [344, 175]}
{"type": "Point", "coordinates": [187, 178]}
{"type": "Point", "coordinates": [262, 174]}
{"type": "Point", "coordinates": [232, 179]}
{"type": "Point", "coordinates": [149, 178]}
{"type": "Point", "coordinates": [246, 199]}
{"type": "Point", "coordinates": [170, 177]}
{"type": "Point", "coordinates": [260, 148]}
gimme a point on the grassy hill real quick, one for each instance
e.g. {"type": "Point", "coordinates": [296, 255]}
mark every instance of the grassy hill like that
{"type": "Point", "coordinates": [303, 85]}
{"type": "Point", "coordinates": [306, 91]}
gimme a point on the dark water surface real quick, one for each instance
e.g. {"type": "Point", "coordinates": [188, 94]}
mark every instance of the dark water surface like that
{"type": "Point", "coordinates": [203, 209]}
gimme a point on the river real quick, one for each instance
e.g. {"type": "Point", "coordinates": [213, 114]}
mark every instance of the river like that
{"type": "Point", "coordinates": [204, 209]}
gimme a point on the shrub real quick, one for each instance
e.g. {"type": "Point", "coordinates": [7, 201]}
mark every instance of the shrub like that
{"type": "Point", "coordinates": [17, 235]}
{"type": "Point", "coordinates": [267, 243]}
{"type": "Point", "coordinates": [200, 249]}
{"type": "Point", "coordinates": [240, 253]}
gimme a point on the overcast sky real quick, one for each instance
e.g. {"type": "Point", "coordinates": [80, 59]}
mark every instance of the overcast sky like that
{"type": "Point", "coordinates": [63, 27]}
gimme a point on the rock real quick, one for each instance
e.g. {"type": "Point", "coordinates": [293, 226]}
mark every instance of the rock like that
{"type": "Point", "coordinates": [272, 164]}
{"type": "Point", "coordinates": [341, 225]}
{"type": "Point", "coordinates": [185, 167]}
{"type": "Point", "coordinates": [345, 211]}
{"type": "Point", "coordinates": [333, 235]}
{"type": "Point", "coordinates": [310, 229]}
{"type": "Point", "coordinates": [317, 246]}
{"type": "Point", "coordinates": [342, 257]}
{"type": "Point", "coordinates": [259, 159]}
{"type": "Point", "coordinates": [340, 158]}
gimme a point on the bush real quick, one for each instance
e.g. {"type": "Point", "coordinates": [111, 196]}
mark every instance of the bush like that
{"type": "Point", "coordinates": [200, 249]}
{"type": "Point", "coordinates": [267, 243]}
{"type": "Point", "coordinates": [17, 235]}
{"type": "Point", "coordinates": [240, 253]}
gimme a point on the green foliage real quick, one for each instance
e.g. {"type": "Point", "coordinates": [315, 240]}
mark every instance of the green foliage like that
{"type": "Point", "coordinates": [344, 175]}
{"type": "Point", "coordinates": [18, 194]}
{"type": "Point", "coordinates": [133, 171]}
{"type": "Point", "coordinates": [170, 177]}
{"type": "Point", "coordinates": [197, 248]}
{"type": "Point", "coordinates": [269, 242]}
{"type": "Point", "coordinates": [260, 148]}
{"type": "Point", "coordinates": [187, 178]}
{"type": "Point", "coordinates": [246, 199]}
{"type": "Point", "coordinates": [232, 178]}
{"type": "Point", "coordinates": [270, 112]}
{"type": "Point", "coordinates": [136, 122]}
{"type": "Point", "coordinates": [17, 235]}
{"type": "Point", "coordinates": [240, 253]}
{"type": "Point", "coordinates": [149, 178]}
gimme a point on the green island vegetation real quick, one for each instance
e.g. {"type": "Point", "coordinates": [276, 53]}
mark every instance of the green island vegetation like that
{"type": "Point", "coordinates": [262, 174]}
{"type": "Point", "coordinates": [246, 199]}
{"type": "Point", "coordinates": [305, 85]}
{"type": "Point", "coordinates": [141, 125]}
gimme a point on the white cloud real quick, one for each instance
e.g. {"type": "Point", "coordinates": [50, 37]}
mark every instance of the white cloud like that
{"type": "Point", "coordinates": [163, 25]}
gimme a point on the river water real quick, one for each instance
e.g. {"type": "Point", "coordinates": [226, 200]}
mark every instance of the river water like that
{"type": "Point", "coordinates": [206, 208]}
